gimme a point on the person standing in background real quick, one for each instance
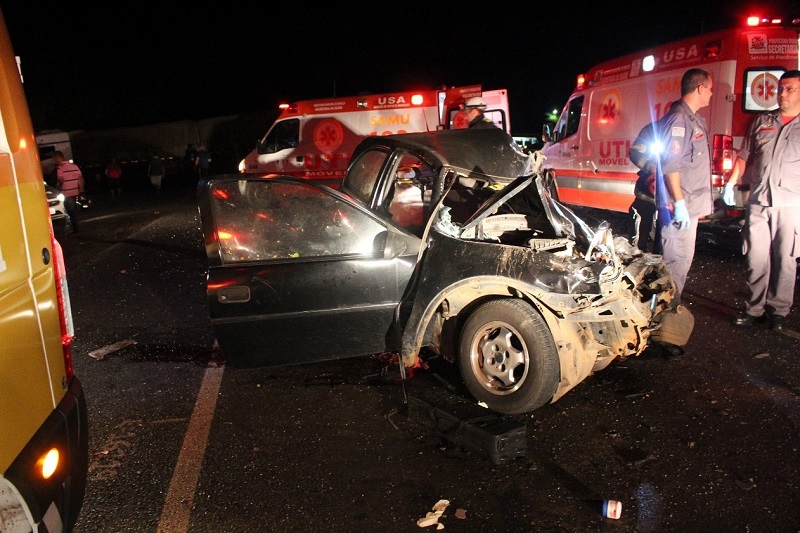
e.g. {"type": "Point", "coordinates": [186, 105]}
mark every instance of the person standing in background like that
{"type": "Point", "coordinates": [155, 170]}
{"type": "Point", "coordinates": [69, 179]}
{"type": "Point", "coordinates": [474, 108]}
{"type": "Point", "coordinates": [201, 162]}
{"type": "Point", "coordinates": [114, 177]}
{"type": "Point", "coordinates": [683, 179]}
{"type": "Point", "coordinates": [770, 243]}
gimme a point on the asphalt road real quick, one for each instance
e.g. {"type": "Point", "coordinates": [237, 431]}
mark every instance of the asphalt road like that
{"type": "Point", "coordinates": [180, 442]}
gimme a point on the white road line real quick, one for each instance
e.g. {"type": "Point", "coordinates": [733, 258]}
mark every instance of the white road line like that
{"type": "Point", "coordinates": [180, 496]}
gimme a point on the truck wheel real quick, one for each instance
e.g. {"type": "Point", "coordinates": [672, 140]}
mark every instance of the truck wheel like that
{"type": "Point", "coordinates": [507, 357]}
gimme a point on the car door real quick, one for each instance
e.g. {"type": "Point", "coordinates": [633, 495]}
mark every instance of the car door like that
{"type": "Point", "coordinates": [298, 272]}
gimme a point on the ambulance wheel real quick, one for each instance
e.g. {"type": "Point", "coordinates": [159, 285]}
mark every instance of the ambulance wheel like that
{"type": "Point", "coordinates": [507, 357]}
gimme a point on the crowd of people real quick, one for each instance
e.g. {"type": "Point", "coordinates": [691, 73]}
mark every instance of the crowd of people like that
{"type": "Point", "coordinates": [115, 176]}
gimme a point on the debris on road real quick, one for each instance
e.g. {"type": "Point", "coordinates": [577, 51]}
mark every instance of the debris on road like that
{"type": "Point", "coordinates": [389, 416]}
{"type": "Point", "coordinates": [101, 353]}
{"type": "Point", "coordinates": [432, 517]}
{"type": "Point", "coordinates": [612, 509]}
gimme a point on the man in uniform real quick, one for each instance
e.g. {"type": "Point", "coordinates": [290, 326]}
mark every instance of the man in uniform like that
{"type": "Point", "coordinates": [474, 108]}
{"type": "Point", "coordinates": [683, 183]}
{"type": "Point", "coordinates": [771, 244]}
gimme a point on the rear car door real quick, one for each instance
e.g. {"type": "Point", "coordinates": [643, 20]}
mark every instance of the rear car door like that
{"type": "Point", "coordinates": [298, 272]}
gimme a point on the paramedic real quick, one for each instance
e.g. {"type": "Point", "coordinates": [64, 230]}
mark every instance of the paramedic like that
{"type": "Point", "coordinates": [643, 225]}
{"type": "Point", "coordinates": [683, 185]}
{"type": "Point", "coordinates": [772, 221]}
{"type": "Point", "coordinates": [474, 108]}
{"type": "Point", "coordinates": [645, 151]}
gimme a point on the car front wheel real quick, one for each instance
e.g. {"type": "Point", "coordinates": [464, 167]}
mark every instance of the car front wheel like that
{"type": "Point", "coordinates": [507, 357]}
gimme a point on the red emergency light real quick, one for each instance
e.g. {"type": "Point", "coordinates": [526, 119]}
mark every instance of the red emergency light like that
{"type": "Point", "coordinates": [755, 20]}
{"type": "Point", "coordinates": [416, 99]}
{"type": "Point", "coordinates": [722, 159]}
{"type": "Point", "coordinates": [581, 81]}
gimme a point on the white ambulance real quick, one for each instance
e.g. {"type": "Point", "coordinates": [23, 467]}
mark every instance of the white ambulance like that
{"type": "Point", "coordinates": [587, 150]}
{"type": "Point", "coordinates": [48, 142]}
{"type": "Point", "coordinates": [314, 139]}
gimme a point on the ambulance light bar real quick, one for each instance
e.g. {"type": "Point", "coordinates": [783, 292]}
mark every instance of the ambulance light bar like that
{"type": "Point", "coordinates": [761, 21]}
{"type": "Point", "coordinates": [292, 108]}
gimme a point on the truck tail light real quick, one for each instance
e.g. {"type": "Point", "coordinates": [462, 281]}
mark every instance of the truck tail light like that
{"type": "Point", "coordinates": [64, 307]}
{"type": "Point", "coordinates": [722, 157]}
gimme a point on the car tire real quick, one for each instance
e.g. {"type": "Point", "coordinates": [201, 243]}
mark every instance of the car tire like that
{"type": "Point", "coordinates": [507, 357]}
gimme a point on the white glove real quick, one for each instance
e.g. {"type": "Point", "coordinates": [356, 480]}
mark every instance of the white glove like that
{"type": "Point", "coordinates": [681, 216]}
{"type": "Point", "coordinates": [727, 194]}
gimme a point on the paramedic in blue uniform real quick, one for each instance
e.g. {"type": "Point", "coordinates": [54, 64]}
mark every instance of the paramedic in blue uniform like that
{"type": "Point", "coordinates": [770, 235]}
{"type": "Point", "coordinates": [683, 189]}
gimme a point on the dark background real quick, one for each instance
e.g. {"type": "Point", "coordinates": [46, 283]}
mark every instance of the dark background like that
{"type": "Point", "coordinates": [89, 65]}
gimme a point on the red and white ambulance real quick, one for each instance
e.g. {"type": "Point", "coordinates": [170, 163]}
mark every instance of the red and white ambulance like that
{"type": "Point", "coordinates": [587, 150]}
{"type": "Point", "coordinates": [314, 139]}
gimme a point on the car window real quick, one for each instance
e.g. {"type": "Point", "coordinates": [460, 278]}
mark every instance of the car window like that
{"type": "Point", "coordinates": [284, 134]}
{"type": "Point", "coordinates": [570, 119]}
{"type": "Point", "coordinates": [407, 196]}
{"type": "Point", "coordinates": [363, 173]}
{"type": "Point", "coordinates": [258, 220]}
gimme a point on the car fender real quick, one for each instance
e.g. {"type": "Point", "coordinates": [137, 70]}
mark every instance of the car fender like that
{"type": "Point", "coordinates": [577, 354]}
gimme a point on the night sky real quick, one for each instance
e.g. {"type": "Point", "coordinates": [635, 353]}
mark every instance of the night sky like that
{"type": "Point", "coordinates": [88, 66]}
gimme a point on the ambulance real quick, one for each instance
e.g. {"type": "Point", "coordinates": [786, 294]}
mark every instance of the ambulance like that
{"type": "Point", "coordinates": [44, 433]}
{"type": "Point", "coordinates": [314, 139]}
{"type": "Point", "coordinates": [48, 143]}
{"type": "Point", "coordinates": [587, 149]}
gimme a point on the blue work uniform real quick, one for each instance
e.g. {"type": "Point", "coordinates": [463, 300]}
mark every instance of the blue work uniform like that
{"type": "Point", "coordinates": [687, 150]}
{"type": "Point", "coordinates": [770, 241]}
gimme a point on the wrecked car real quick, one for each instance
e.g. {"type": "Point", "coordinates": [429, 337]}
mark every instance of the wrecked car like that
{"type": "Point", "coordinates": [445, 241]}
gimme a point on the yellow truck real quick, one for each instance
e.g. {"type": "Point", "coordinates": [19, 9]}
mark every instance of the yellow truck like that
{"type": "Point", "coordinates": [43, 420]}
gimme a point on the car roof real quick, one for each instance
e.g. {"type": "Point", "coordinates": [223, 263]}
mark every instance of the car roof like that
{"type": "Point", "coordinates": [489, 154]}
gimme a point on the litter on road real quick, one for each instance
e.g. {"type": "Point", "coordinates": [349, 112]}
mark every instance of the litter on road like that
{"type": "Point", "coordinates": [101, 353]}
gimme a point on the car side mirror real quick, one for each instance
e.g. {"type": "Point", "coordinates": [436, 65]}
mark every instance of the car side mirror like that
{"type": "Point", "coordinates": [393, 244]}
{"type": "Point", "coordinates": [379, 244]}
